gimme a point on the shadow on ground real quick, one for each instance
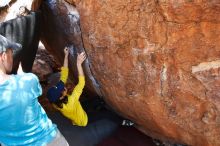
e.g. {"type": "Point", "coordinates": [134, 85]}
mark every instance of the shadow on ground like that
{"type": "Point", "coordinates": [102, 132]}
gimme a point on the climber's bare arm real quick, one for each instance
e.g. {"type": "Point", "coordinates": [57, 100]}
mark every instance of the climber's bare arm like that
{"type": "Point", "coordinates": [80, 59]}
{"type": "Point", "coordinates": [66, 53]}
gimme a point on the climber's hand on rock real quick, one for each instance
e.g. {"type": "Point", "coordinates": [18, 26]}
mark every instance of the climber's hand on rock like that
{"type": "Point", "coordinates": [81, 58]}
{"type": "Point", "coordinates": [66, 51]}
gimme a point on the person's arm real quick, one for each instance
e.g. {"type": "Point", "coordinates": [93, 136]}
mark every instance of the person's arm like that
{"type": "Point", "coordinates": [64, 70]}
{"type": "Point", "coordinates": [66, 55]}
{"type": "Point", "coordinates": [77, 91]}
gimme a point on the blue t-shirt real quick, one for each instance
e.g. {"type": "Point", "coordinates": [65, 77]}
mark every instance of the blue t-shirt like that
{"type": "Point", "coordinates": [23, 121]}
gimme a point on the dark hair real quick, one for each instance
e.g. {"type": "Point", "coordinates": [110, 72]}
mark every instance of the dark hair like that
{"type": "Point", "coordinates": [59, 103]}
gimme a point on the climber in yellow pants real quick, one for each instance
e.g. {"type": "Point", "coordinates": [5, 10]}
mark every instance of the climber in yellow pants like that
{"type": "Point", "coordinates": [69, 105]}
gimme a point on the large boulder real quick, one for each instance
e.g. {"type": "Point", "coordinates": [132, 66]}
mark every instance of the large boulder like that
{"type": "Point", "coordinates": [157, 61]}
{"type": "Point", "coordinates": [61, 28]}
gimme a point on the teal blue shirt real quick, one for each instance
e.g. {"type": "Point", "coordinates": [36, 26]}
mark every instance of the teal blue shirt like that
{"type": "Point", "coordinates": [23, 121]}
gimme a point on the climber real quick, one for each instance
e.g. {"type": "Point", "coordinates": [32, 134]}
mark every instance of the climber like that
{"type": "Point", "coordinates": [23, 120]}
{"type": "Point", "coordinates": [69, 105]}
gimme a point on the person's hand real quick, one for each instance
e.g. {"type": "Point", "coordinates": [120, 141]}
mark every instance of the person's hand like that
{"type": "Point", "coordinates": [66, 51]}
{"type": "Point", "coordinates": [80, 58]}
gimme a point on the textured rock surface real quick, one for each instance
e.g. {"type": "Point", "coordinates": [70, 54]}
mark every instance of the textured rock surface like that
{"type": "Point", "coordinates": [44, 64]}
{"type": "Point", "coordinates": [61, 28]}
{"type": "Point", "coordinates": [158, 63]}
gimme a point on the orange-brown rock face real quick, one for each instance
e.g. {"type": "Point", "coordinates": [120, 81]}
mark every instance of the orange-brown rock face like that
{"type": "Point", "coordinates": [158, 63]}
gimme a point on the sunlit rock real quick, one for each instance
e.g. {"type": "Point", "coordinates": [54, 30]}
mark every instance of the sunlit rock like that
{"type": "Point", "coordinates": [156, 62]}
